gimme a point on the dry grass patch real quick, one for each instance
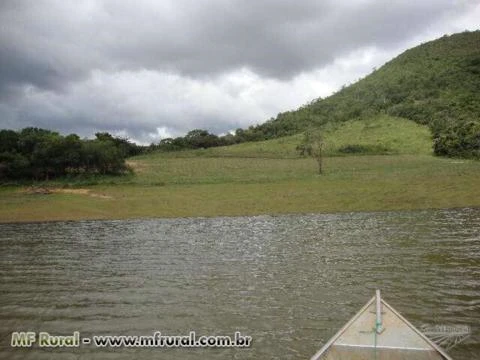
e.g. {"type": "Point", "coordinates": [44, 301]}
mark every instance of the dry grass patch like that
{"type": "Point", "coordinates": [46, 191]}
{"type": "Point", "coordinates": [137, 166]}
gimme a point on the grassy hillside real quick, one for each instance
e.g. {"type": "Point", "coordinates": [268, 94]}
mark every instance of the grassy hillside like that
{"type": "Point", "coordinates": [436, 83]}
{"type": "Point", "coordinates": [389, 134]}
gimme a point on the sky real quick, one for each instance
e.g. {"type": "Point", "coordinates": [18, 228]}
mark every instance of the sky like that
{"type": "Point", "coordinates": [150, 69]}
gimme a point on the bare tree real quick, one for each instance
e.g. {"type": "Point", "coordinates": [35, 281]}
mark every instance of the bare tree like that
{"type": "Point", "coordinates": [313, 145]}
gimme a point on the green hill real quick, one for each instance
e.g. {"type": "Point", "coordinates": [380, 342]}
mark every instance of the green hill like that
{"type": "Point", "coordinates": [436, 84]}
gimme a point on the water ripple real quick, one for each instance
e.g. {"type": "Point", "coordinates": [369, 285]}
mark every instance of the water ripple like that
{"type": "Point", "coordinates": [288, 281]}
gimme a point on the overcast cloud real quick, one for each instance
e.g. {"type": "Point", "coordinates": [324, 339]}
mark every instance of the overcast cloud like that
{"type": "Point", "coordinates": [152, 69]}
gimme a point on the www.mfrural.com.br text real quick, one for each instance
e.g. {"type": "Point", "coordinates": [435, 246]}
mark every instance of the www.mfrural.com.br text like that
{"type": "Point", "coordinates": [26, 339]}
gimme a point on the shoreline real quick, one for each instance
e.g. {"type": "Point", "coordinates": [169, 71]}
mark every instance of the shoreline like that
{"type": "Point", "coordinates": [340, 212]}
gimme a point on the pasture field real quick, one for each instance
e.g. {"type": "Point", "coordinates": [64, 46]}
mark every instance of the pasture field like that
{"type": "Point", "coordinates": [263, 178]}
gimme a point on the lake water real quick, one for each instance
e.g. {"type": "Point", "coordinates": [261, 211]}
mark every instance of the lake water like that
{"type": "Point", "coordinates": [289, 282]}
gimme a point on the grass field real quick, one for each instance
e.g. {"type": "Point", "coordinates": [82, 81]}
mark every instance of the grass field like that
{"type": "Point", "coordinates": [265, 178]}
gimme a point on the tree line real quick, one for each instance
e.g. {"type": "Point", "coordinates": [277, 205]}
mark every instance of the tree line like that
{"type": "Point", "coordinates": [202, 139]}
{"type": "Point", "coordinates": [39, 154]}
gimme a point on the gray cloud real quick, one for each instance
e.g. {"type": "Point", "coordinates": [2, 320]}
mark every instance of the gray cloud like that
{"type": "Point", "coordinates": [139, 66]}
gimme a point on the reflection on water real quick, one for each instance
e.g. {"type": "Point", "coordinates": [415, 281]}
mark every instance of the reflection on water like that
{"type": "Point", "coordinates": [290, 282]}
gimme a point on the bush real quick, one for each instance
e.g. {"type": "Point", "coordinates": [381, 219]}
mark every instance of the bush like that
{"type": "Point", "coordinates": [461, 139]}
{"type": "Point", "coordinates": [365, 149]}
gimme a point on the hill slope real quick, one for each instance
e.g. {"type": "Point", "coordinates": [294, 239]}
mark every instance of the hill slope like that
{"type": "Point", "coordinates": [436, 83]}
{"type": "Point", "coordinates": [379, 135]}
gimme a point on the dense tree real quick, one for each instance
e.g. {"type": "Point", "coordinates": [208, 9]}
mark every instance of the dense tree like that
{"type": "Point", "coordinates": [199, 138]}
{"type": "Point", "coordinates": [14, 165]}
{"type": "Point", "coordinates": [40, 154]}
{"type": "Point", "coordinates": [8, 140]}
{"type": "Point", "coordinates": [123, 144]}
{"type": "Point", "coordinates": [458, 139]}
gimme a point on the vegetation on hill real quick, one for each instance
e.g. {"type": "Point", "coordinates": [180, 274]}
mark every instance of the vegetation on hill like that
{"type": "Point", "coordinates": [436, 84]}
{"type": "Point", "coordinates": [379, 135]}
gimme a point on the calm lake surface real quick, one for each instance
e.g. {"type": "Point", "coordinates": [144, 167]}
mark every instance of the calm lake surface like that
{"type": "Point", "coordinates": [289, 282]}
